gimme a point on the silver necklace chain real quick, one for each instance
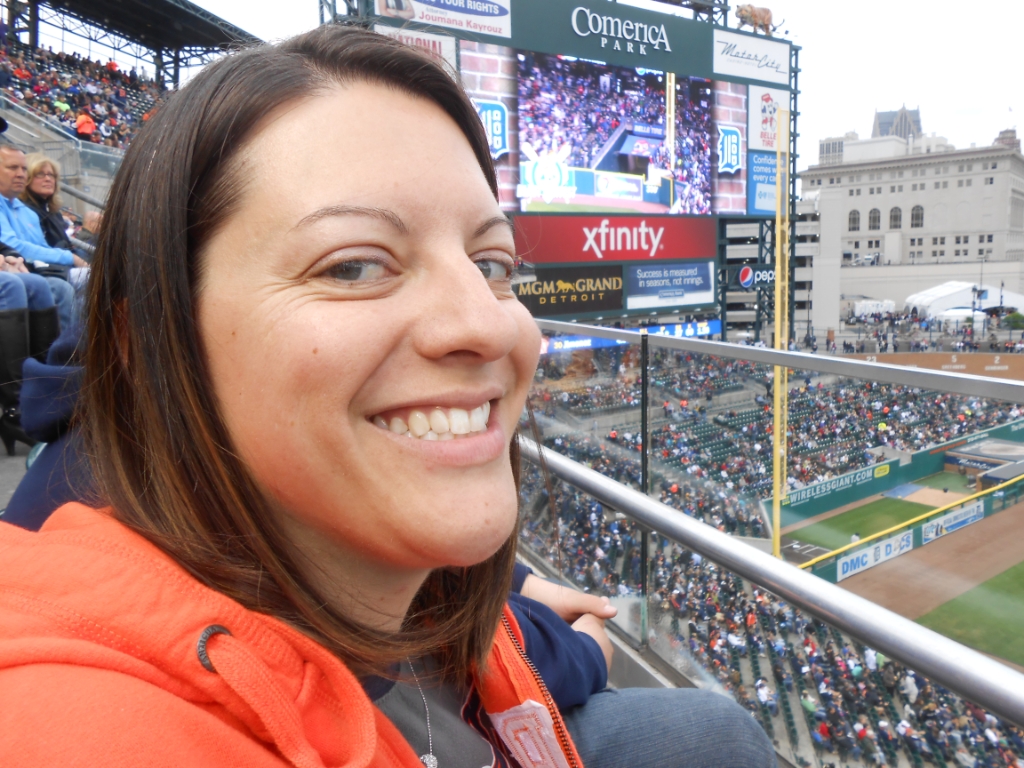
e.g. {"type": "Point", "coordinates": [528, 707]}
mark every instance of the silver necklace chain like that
{"type": "Point", "coordinates": [428, 760]}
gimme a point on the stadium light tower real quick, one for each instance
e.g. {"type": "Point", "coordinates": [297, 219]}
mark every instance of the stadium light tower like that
{"type": "Point", "coordinates": [332, 10]}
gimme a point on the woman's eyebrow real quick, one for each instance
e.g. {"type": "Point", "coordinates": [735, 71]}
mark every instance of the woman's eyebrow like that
{"type": "Point", "coordinates": [383, 214]}
{"type": "Point", "coordinates": [488, 225]}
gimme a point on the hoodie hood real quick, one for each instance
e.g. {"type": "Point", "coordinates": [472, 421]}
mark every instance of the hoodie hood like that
{"type": "Point", "coordinates": [87, 603]}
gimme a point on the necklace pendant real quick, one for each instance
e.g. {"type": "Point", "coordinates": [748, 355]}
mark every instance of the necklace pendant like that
{"type": "Point", "coordinates": [429, 761]}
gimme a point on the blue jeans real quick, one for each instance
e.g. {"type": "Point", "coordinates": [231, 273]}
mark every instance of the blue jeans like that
{"type": "Point", "coordinates": [667, 728]}
{"type": "Point", "coordinates": [64, 298]}
{"type": "Point", "coordinates": [21, 290]}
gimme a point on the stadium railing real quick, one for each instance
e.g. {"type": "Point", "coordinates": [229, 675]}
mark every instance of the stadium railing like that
{"type": "Point", "coordinates": [603, 406]}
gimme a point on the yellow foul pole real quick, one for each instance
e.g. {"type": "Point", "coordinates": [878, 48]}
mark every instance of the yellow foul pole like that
{"type": "Point", "coordinates": [780, 389]}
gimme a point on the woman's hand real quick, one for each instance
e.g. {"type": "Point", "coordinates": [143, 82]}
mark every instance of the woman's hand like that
{"type": "Point", "coordinates": [589, 624]}
{"type": "Point", "coordinates": [567, 602]}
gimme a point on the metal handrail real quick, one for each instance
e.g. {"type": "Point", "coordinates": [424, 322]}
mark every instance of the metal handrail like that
{"type": "Point", "coordinates": [996, 687]}
{"type": "Point", "coordinates": [960, 383]}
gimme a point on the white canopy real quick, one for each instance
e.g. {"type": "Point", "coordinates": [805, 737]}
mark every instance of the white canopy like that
{"type": "Point", "coordinates": [934, 301]}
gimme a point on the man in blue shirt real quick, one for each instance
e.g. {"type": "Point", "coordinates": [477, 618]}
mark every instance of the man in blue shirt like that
{"type": "Point", "coordinates": [28, 316]}
{"type": "Point", "coordinates": [20, 229]}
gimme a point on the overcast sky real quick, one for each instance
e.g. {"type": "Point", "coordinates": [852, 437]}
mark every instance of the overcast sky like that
{"type": "Point", "coordinates": [960, 63]}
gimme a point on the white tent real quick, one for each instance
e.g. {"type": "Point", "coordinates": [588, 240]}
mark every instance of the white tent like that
{"type": "Point", "coordinates": [934, 301]}
{"type": "Point", "coordinates": [873, 306]}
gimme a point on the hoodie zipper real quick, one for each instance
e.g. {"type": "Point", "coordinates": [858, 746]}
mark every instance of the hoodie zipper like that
{"type": "Point", "coordinates": [549, 702]}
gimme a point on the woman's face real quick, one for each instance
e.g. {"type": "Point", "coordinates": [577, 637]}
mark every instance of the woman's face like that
{"type": "Point", "coordinates": [44, 183]}
{"type": "Point", "coordinates": [361, 291]}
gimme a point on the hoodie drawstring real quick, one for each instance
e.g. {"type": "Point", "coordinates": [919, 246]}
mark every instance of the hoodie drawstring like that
{"type": "Point", "coordinates": [249, 678]}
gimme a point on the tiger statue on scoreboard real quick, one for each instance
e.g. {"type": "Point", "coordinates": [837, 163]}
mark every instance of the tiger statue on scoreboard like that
{"type": "Point", "coordinates": [758, 18]}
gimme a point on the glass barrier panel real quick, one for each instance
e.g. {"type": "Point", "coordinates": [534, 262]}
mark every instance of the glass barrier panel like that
{"type": "Point", "coordinates": [821, 696]}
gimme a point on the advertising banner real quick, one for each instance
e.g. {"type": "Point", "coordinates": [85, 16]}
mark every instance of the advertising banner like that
{"type": "Point", "coordinates": [673, 284]}
{"type": "Point", "coordinates": [761, 184]}
{"type": "Point", "coordinates": [763, 114]}
{"type": "Point", "coordinates": [874, 554]}
{"type": "Point", "coordinates": [698, 329]}
{"type": "Point", "coordinates": [751, 57]}
{"type": "Point", "coordinates": [486, 17]}
{"type": "Point", "coordinates": [444, 47]}
{"type": "Point", "coordinates": [542, 239]}
{"type": "Point", "coordinates": [572, 290]}
{"type": "Point", "coordinates": [954, 521]}
{"type": "Point", "coordinates": [552, 345]}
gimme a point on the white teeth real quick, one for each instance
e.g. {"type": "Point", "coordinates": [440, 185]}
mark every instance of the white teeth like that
{"type": "Point", "coordinates": [438, 421]}
{"type": "Point", "coordinates": [458, 421]}
{"type": "Point", "coordinates": [441, 424]}
{"type": "Point", "coordinates": [419, 424]}
{"type": "Point", "coordinates": [477, 420]}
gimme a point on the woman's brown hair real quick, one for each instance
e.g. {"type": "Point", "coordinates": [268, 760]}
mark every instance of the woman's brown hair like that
{"type": "Point", "coordinates": [160, 452]}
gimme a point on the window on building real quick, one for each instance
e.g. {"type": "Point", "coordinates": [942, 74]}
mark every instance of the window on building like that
{"type": "Point", "coordinates": [858, 193]}
{"type": "Point", "coordinates": [960, 182]}
{"type": "Point", "coordinates": [874, 219]}
{"type": "Point", "coordinates": [936, 185]}
{"type": "Point", "coordinates": [871, 190]}
{"type": "Point", "coordinates": [970, 167]}
{"type": "Point", "coordinates": [969, 182]}
{"type": "Point", "coordinates": [851, 193]}
{"type": "Point", "coordinates": [899, 174]}
{"type": "Point", "coordinates": [945, 184]}
{"type": "Point", "coordinates": [988, 251]}
{"type": "Point", "coordinates": [993, 166]}
{"type": "Point", "coordinates": [960, 169]}
{"type": "Point", "coordinates": [917, 217]}
{"type": "Point", "coordinates": [990, 238]}
{"type": "Point", "coordinates": [856, 243]}
{"type": "Point", "coordinates": [896, 218]}
{"type": "Point", "coordinates": [892, 189]}
{"type": "Point", "coordinates": [981, 251]}
{"type": "Point", "coordinates": [990, 180]}
{"type": "Point", "coordinates": [935, 254]}
{"type": "Point", "coordinates": [942, 241]}
{"type": "Point", "coordinates": [958, 239]}
{"type": "Point", "coordinates": [899, 188]}
{"type": "Point", "coordinates": [854, 221]}
{"type": "Point", "coordinates": [942, 253]}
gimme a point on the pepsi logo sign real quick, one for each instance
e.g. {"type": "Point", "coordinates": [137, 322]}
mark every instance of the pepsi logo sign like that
{"type": "Point", "coordinates": [751, 277]}
{"type": "Point", "coordinates": [746, 277]}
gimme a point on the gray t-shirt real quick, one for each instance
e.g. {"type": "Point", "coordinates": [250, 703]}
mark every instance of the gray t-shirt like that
{"type": "Point", "coordinates": [456, 744]}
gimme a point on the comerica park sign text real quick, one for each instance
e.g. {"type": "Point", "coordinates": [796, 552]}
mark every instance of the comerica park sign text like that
{"type": "Point", "coordinates": [586, 22]}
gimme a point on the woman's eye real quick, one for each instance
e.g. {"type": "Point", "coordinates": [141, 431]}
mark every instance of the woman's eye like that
{"type": "Point", "coordinates": [495, 269]}
{"type": "Point", "coordinates": [357, 271]}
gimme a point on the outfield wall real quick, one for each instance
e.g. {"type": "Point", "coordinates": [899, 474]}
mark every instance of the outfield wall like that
{"type": "Point", "coordinates": [813, 500]}
{"type": "Point", "coordinates": [858, 560]}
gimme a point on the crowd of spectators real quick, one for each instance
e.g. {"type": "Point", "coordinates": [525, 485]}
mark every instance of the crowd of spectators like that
{"type": "Point", "coordinates": [858, 705]}
{"type": "Point", "coordinates": [579, 104]}
{"type": "Point", "coordinates": [692, 170]}
{"type": "Point", "coordinates": [92, 101]}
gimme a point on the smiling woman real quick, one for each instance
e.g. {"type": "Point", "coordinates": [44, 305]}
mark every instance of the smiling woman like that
{"type": "Point", "coordinates": [304, 371]}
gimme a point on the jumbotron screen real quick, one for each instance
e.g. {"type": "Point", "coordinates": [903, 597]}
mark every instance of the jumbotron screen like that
{"type": "Point", "coordinates": [593, 137]}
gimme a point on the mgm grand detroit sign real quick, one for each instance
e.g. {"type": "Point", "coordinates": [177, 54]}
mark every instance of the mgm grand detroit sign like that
{"type": "Point", "coordinates": [571, 291]}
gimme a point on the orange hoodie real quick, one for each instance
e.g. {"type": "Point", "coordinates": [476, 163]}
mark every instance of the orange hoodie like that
{"type": "Point", "coordinates": [100, 664]}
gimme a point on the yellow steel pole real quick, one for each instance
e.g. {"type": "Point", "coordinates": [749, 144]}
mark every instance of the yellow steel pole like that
{"type": "Point", "coordinates": [780, 404]}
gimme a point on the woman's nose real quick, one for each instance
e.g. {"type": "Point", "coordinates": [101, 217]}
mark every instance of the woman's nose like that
{"type": "Point", "coordinates": [463, 315]}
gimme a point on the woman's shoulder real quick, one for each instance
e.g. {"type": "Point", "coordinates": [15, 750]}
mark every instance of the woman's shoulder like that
{"type": "Point", "coordinates": [59, 714]}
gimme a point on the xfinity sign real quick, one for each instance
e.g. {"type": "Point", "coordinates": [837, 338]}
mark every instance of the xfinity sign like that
{"type": "Point", "coordinates": [609, 238]}
{"type": "Point", "coordinates": [622, 34]}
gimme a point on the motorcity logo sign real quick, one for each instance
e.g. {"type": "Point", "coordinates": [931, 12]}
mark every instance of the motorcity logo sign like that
{"type": "Point", "coordinates": [620, 34]}
{"type": "Point", "coordinates": [729, 154]}
{"type": "Point", "coordinates": [750, 56]}
{"type": "Point", "coordinates": [753, 276]}
{"type": "Point", "coordinates": [607, 238]}
{"type": "Point", "coordinates": [564, 239]}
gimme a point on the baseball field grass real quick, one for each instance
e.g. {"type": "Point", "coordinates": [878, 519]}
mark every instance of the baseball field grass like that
{"type": "Point", "coordinates": [989, 618]}
{"type": "Point", "coordinates": [871, 518]}
{"type": "Point", "coordinates": [955, 483]}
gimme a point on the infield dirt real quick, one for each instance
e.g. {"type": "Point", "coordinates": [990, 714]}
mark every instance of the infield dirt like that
{"type": "Point", "coordinates": [927, 577]}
